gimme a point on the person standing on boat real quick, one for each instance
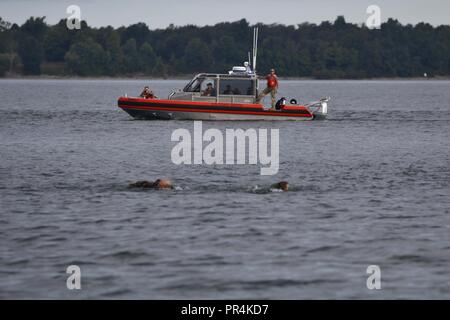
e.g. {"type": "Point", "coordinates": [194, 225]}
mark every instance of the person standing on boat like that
{"type": "Point", "coordinates": [272, 87]}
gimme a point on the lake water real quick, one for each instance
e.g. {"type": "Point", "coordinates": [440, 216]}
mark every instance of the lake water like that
{"type": "Point", "coordinates": [370, 186]}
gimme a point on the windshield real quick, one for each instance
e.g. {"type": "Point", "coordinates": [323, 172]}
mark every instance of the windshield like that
{"type": "Point", "coordinates": [194, 85]}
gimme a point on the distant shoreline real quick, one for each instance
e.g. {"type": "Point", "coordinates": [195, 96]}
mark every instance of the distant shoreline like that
{"type": "Point", "coordinates": [189, 77]}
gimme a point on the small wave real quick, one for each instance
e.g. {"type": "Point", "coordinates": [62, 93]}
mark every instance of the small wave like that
{"type": "Point", "coordinates": [412, 258]}
{"type": "Point", "coordinates": [117, 293]}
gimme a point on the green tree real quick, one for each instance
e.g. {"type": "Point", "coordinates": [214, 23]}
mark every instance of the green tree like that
{"type": "Point", "coordinates": [4, 64]}
{"type": "Point", "coordinates": [86, 58]}
{"type": "Point", "coordinates": [160, 68]}
{"type": "Point", "coordinates": [326, 50]}
{"type": "Point", "coordinates": [8, 43]}
{"type": "Point", "coordinates": [110, 41]}
{"type": "Point", "coordinates": [31, 54]}
{"type": "Point", "coordinates": [56, 43]}
{"type": "Point", "coordinates": [225, 53]}
{"type": "Point", "coordinates": [132, 62]}
{"type": "Point", "coordinates": [35, 27]}
{"type": "Point", "coordinates": [139, 32]}
{"type": "Point", "coordinates": [197, 56]}
{"type": "Point", "coordinates": [4, 25]}
{"type": "Point", "coordinates": [147, 57]}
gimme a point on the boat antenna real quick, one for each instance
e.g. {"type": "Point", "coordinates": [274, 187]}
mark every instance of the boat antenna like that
{"type": "Point", "coordinates": [255, 48]}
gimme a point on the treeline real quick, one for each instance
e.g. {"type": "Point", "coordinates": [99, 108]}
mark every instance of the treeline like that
{"type": "Point", "coordinates": [327, 50]}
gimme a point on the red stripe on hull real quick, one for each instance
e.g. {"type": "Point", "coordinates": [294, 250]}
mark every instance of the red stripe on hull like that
{"type": "Point", "coordinates": [199, 103]}
{"type": "Point", "coordinates": [153, 105]}
{"type": "Point", "coordinates": [266, 113]}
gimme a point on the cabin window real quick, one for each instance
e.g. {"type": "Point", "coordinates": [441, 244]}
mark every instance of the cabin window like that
{"type": "Point", "coordinates": [236, 87]}
{"type": "Point", "coordinates": [208, 87]}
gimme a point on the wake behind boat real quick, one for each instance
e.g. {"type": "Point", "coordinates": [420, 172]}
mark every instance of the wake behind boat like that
{"type": "Point", "coordinates": [232, 96]}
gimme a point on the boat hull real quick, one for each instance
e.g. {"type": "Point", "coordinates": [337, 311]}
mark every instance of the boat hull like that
{"type": "Point", "coordinates": [160, 109]}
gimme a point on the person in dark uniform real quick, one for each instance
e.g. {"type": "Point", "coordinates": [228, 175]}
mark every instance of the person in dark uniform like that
{"type": "Point", "coordinates": [228, 90]}
{"type": "Point", "coordinates": [209, 91]}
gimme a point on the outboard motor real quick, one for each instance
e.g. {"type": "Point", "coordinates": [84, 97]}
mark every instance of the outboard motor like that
{"type": "Point", "coordinates": [280, 104]}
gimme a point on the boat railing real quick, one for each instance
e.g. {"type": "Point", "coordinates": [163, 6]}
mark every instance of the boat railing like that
{"type": "Point", "coordinates": [320, 105]}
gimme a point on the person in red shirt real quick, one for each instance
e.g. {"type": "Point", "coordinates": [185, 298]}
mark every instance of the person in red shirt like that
{"type": "Point", "coordinates": [272, 87]}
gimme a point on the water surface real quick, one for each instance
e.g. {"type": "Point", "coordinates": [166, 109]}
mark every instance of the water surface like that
{"type": "Point", "coordinates": [370, 185]}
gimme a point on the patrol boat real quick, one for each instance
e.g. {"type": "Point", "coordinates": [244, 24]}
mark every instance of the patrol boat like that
{"type": "Point", "coordinates": [233, 97]}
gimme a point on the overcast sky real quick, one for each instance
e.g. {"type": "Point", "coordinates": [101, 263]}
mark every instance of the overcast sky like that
{"type": "Point", "coordinates": [159, 14]}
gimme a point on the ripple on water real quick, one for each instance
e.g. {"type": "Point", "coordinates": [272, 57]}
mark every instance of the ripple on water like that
{"type": "Point", "coordinates": [368, 185]}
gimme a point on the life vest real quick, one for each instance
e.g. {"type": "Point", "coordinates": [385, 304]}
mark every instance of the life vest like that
{"type": "Point", "coordinates": [272, 81]}
{"type": "Point", "coordinates": [149, 95]}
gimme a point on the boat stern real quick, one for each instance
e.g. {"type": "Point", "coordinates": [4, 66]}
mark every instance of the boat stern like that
{"type": "Point", "coordinates": [321, 108]}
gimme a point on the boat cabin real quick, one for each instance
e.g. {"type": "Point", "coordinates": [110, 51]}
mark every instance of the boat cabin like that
{"type": "Point", "coordinates": [240, 85]}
